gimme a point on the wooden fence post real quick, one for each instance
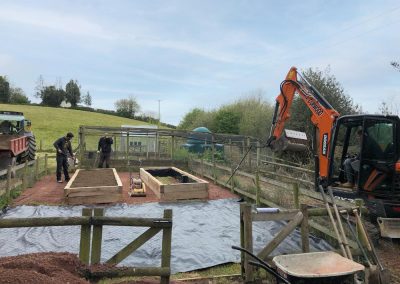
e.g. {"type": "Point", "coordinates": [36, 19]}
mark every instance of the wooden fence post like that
{"type": "Point", "coordinates": [97, 237]}
{"type": "Point", "coordinates": [81, 145]}
{"type": "Point", "coordinates": [296, 195]}
{"type": "Point", "coordinates": [247, 241]}
{"type": "Point", "coordinates": [166, 246]}
{"type": "Point", "coordinates": [8, 185]}
{"type": "Point", "coordinates": [84, 247]}
{"type": "Point", "coordinates": [127, 145]}
{"type": "Point", "coordinates": [172, 147]}
{"type": "Point", "coordinates": [258, 188]}
{"type": "Point", "coordinates": [249, 153]}
{"type": "Point", "coordinates": [25, 176]}
{"type": "Point", "coordinates": [231, 162]}
{"type": "Point", "coordinates": [213, 158]}
{"type": "Point", "coordinates": [46, 170]}
{"type": "Point", "coordinates": [37, 162]}
{"type": "Point", "coordinates": [305, 231]}
{"type": "Point", "coordinates": [258, 154]}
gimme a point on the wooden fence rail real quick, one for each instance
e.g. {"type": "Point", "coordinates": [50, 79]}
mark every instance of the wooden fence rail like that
{"type": "Point", "coordinates": [23, 175]}
{"type": "Point", "coordinates": [92, 222]}
{"type": "Point", "coordinates": [295, 217]}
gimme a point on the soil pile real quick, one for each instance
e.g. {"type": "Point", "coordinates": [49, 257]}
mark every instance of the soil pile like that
{"type": "Point", "coordinates": [38, 268]}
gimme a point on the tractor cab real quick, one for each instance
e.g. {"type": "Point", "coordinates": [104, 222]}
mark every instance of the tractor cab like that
{"type": "Point", "coordinates": [365, 154]}
{"type": "Point", "coordinates": [11, 123]}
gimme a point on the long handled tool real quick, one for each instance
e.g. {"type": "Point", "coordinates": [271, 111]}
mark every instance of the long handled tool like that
{"type": "Point", "coordinates": [328, 208]}
{"type": "Point", "coordinates": [335, 209]}
{"type": "Point", "coordinates": [384, 273]}
{"type": "Point", "coordinates": [96, 160]}
{"type": "Point", "coordinates": [372, 273]}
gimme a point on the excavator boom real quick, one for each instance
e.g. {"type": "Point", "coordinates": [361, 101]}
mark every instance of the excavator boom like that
{"type": "Point", "coordinates": [323, 116]}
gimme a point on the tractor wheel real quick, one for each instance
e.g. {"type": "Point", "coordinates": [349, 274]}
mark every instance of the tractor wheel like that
{"type": "Point", "coordinates": [31, 148]}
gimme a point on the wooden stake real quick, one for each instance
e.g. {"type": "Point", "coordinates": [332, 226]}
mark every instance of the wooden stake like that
{"type": "Point", "coordinates": [97, 238]}
{"type": "Point", "coordinates": [84, 248]}
{"type": "Point", "coordinates": [8, 185]}
{"type": "Point", "coordinates": [305, 231]}
{"type": "Point", "coordinates": [166, 246]}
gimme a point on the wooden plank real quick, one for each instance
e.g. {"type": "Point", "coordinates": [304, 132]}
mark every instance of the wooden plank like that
{"type": "Point", "coordinates": [117, 178]}
{"type": "Point", "coordinates": [94, 199]}
{"type": "Point", "coordinates": [92, 193]}
{"type": "Point", "coordinates": [304, 229]}
{"type": "Point", "coordinates": [185, 187]}
{"type": "Point", "coordinates": [132, 246]}
{"type": "Point", "coordinates": [199, 180]}
{"type": "Point", "coordinates": [84, 247]}
{"type": "Point", "coordinates": [184, 196]}
{"type": "Point", "coordinates": [103, 190]}
{"type": "Point", "coordinates": [281, 236]}
{"type": "Point", "coordinates": [72, 179]}
{"type": "Point", "coordinates": [131, 271]}
{"type": "Point", "coordinates": [97, 238]}
{"type": "Point", "coordinates": [280, 216]}
{"type": "Point", "coordinates": [166, 246]}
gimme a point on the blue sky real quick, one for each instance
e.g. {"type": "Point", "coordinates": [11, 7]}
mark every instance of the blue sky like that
{"type": "Point", "coordinates": [200, 53]}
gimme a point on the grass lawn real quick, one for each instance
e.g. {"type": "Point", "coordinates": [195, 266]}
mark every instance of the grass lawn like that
{"type": "Point", "coordinates": [49, 123]}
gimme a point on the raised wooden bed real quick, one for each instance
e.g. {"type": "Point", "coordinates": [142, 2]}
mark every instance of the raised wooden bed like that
{"type": "Point", "coordinates": [93, 187]}
{"type": "Point", "coordinates": [172, 184]}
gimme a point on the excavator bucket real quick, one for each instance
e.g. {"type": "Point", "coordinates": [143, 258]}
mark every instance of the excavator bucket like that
{"type": "Point", "coordinates": [291, 140]}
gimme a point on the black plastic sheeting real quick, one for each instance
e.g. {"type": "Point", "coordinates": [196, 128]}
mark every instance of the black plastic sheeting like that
{"type": "Point", "coordinates": [202, 234]}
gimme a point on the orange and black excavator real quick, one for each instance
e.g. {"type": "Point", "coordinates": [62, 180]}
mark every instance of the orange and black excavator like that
{"type": "Point", "coordinates": [376, 162]}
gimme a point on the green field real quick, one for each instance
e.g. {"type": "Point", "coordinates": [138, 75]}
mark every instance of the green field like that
{"type": "Point", "coordinates": [49, 123]}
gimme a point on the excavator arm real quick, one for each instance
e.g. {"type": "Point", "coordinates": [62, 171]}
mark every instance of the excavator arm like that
{"type": "Point", "coordinates": [323, 116]}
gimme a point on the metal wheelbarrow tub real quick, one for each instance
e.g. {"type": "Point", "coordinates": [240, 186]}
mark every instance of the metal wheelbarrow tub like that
{"type": "Point", "coordinates": [317, 267]}
{"type": "Point", "coordinates": [389, 227]}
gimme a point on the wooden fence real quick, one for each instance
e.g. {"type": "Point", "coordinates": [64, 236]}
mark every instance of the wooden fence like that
{"type": "Point", "coordinates": [92, 222]}
{"type": "Point", "coordinates": [295, 217]}
{"type": "Point", "coordinates": [23, 175]}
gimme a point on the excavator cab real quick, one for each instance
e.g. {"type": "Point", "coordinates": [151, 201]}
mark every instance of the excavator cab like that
{"type": "Point", "coordinates": [365, 153]}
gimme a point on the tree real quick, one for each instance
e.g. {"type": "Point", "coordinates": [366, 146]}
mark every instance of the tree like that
{"type": "Point", "coordinates": [395, 65]}
{"type": "Point", "coordinates": [4, 90]}
{"type": "Point", "coordinates": [51, 96]}
{"type": "Point", "coordinates": [390, 107]}
{"type": "Point", "coordinates": [72, 93]}
{"type": "Point", "coordinates": [227, 121]}
{"type": "Point", "coordinates": [17, 96]}
{"type": "Point", "coordinates": [127, 107]}
{"type": "Point", "coordinates": [87, 100]}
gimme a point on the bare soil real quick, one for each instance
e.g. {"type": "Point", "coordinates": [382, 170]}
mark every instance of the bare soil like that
{"type": "Point", "coordinates": [48, 191]}
{"type": "Point", "coordinates": [38, 268]}
{"type": "Point", "coordinates": [98, 177]}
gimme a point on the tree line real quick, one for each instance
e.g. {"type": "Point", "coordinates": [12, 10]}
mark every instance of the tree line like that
{"type": "Point", "coordinates": [252, 115]}
{"type": "Point", "coordinates": [54, 95]}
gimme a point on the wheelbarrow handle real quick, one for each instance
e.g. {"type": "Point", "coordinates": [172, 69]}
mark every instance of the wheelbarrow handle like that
{"type": "Point", "coordinates": [261, 263]}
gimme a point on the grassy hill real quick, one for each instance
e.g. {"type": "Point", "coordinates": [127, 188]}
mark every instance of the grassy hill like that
{"type": "Point", "coordinates": [49, 123]}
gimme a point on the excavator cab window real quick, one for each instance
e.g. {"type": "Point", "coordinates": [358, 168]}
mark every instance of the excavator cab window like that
{"type": "Point", "coordinates": [364, 155]}
{"type": "Point", "coordinates": [347, 147]}
{"type": "Point", "coordinates": [378, 156]}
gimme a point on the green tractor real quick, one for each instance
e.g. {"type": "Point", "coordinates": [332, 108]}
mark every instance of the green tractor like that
{"type": "Point", "coordinates": [17, 142]}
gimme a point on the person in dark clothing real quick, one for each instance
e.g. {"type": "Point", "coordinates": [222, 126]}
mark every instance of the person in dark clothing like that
{"type": "Point", "coordinates": [104, 148]}
{"type": "Point", "coordinates": [352, 163]}
{"type": "Point", "coordinates": [63, 147]}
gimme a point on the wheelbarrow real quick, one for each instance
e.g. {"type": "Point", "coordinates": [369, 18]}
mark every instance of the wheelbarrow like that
{"type": "Point", "coordinates": [317, 267]}
{"type": "Point", "coordinates": [309, 268]}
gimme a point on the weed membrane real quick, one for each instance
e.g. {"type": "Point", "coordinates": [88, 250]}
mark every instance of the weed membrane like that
{"type": "Point", "coordinates": [202, 234]}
